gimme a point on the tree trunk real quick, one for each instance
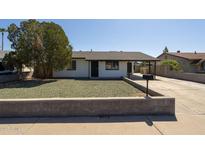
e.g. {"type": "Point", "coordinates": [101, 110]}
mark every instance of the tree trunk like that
{"type": "Point", "coordinates": [42, 72]}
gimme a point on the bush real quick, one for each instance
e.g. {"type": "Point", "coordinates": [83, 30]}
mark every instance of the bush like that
{"type": "Point", "coordinates": [173, 64]}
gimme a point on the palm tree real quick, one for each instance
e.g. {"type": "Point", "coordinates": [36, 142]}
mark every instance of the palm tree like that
{"type": "Point", "coordinates": [2, 30]}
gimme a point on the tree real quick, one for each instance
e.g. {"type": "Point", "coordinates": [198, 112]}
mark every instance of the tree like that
{"type": "Point", "coordinates": [173, 64]}
{"type": "Point", "coordinates": [41, 45]}
{"type": "Point", "coordinates": [165, 50]}
{"type": "Point", "coordinates": [10, 61]}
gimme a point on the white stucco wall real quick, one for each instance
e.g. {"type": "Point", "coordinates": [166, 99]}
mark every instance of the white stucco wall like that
{"type": "Point", "coordinates": [112, 73]}
{"type": "Point", "coordinates": [81, 70]}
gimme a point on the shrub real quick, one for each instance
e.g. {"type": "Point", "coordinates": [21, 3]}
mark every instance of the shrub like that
{"type": "Point", "coordinates": [173, 64]}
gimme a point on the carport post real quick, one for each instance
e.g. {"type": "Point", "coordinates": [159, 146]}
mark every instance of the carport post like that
{"type": "Point", "coordinates": [149, 67]}
{"type": "Point", "coordinates": [155, 68]}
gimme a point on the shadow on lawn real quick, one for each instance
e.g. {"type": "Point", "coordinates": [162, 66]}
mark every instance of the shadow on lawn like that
{"type": "Point", "coordinates": [90, 119]}
{"type": "Point", "coordinates": [25, 83]}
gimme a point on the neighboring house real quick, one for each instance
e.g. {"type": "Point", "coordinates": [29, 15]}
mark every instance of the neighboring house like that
{"type": "Point", "coordinates": [2, 54]}
{"type": "Point", "coordinates": [112, 64]}
{"type": "Point", "coordinates": [190, 62]}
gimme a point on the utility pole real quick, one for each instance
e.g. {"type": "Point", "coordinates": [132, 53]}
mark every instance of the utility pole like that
{"type": "Point", "coordinates": [2, 30]}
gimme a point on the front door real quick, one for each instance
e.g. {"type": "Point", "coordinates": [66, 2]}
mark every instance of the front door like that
{"type": "Point", "coordinates": [129, 68]}
{"type": "Point", "coordinates": [94, 68]}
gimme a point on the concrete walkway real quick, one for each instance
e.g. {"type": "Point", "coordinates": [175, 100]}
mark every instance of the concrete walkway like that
{"type": "Point", "coordinates": [190, 116]}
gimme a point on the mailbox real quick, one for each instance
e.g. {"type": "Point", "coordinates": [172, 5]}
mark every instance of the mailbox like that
{"type": "Point", "coordinates": [148, 77]}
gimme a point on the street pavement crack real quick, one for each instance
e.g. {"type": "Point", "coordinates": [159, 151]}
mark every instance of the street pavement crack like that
{"type": "Point", "coordinates": [150, 121]}
{"type": "Point", "coordinates": [35, 121]}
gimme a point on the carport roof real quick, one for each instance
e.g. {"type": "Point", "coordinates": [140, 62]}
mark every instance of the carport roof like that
{"type": "Point", "coordinates": [113, 55]}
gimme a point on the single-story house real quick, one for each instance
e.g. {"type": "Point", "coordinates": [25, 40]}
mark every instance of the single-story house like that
{"type": "Point", "coordinates": [98, 64]}
{"type": "Point", "coordinates": [190, 61]}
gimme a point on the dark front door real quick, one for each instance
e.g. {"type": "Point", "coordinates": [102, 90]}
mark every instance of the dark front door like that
{"type": "Point", "coordinates": [129, 68]}
{"type": "Point", "coordinates": [94, 68]}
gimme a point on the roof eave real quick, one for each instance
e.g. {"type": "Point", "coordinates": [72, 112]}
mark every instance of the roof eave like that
{"type": "Point", "coordinates": [125, 59]}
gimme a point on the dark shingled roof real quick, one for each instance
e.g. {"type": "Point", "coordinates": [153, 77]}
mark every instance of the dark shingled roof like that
{"type": "Point", "coordinates": [112, 55]}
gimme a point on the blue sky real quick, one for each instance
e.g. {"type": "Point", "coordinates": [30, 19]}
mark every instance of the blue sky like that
{"type": "Point", "coordinates": [148, 36]}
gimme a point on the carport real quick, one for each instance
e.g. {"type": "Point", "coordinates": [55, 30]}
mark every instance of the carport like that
{"type": "Point", "coordinates": [150, 64]}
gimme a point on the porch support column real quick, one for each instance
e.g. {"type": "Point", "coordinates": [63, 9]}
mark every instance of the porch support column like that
{"type": "Point", "coordinates": [89, 65]}
{"type": "Point", "coordinates": [155, 68]}
{"type": "Point", "coordinates": [149, 68]}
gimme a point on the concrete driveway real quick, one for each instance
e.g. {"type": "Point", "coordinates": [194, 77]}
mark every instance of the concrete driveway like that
{"type": "Point", "coordinates": [190, 116]}
{"type": "Point", "coordinates": [190, 105]}
{"type": "Point", "coordinates": [190, 96]}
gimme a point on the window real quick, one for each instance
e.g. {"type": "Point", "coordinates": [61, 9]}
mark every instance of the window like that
{"type": "Point", "coordinates": [72, 66]}
{"type": "Point", "coordinates": [112, 65]}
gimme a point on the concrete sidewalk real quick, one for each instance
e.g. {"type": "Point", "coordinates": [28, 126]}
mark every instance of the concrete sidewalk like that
{"type": "Point", "coordinates": [190, 116]}
{"type": "Point", "coordinates": [119, 125]}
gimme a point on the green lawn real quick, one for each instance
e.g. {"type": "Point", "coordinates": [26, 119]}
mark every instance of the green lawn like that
{"type": "Point", "coordinates": [67, 88]}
